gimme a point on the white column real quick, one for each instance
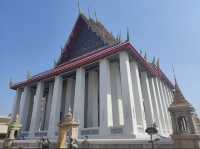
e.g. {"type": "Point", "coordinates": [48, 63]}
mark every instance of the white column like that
{"type": "Point", "coordinates": [137, 93]}
{"type": "Point", "coordinates": [16, 104]}
{"type": "Point", "coordinates": [155, 104]}
{"type": "Point", "coordinates": [24, 105]}
{"type": "Point", "coordinates": [161, 109]}
{"type": "Point", "coordinates": [79, 98]}
{"type": "Point", "coordinates": [149, 114]}
{"type": "Point", "coordinates": [55, 107]}
{"type": "Point", "coordinates": [106, 117]}
{"type": "Point", "coordinates": [35, 120]}
{"type": "Point", "coordinates": [168, 96]}
{"type": "Point", "coordinates": [127, 95]}
{"type": "Point", "coordinates": [165, 106]}
{"type": "Point", "coordinates": [93, 91]}
{"type": "Point", "coordinates": [116, 92]}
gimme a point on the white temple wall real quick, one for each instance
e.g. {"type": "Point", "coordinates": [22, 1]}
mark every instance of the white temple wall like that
{"type": "Point", "coordinates": [117, 96]}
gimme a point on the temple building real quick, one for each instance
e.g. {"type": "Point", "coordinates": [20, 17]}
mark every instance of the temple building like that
{"type": "Point", "coordinates": [113, 91]}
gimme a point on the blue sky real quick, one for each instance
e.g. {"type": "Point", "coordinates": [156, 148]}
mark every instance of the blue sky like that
{"type": "Point", "coordinates": [33, 31]}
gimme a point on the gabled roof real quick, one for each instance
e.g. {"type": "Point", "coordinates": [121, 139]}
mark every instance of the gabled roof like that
{"type": "Point", "coordinates": [94, 26]}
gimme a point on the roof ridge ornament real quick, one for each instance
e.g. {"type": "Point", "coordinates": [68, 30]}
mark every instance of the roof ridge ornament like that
{"type": "Point", "coordinates": [95, 15]}
{"type": "Point", "coordinates": [145, 55]}
{"type": "Point", "coordinates": [174, 75]}
{"type": "Point", "coordinates": [28, 74]}
{"type": "Point", "coordinates": [128, 35]}
{"type": "Point", "coordinates": [89, 14]}
{"type": "Point", "coordinates": [158, 63]}
{"type": "Point", "coordinates": [55, 62]}
{"type": "Point", "coordinates": [10, 82]}
{"type": "Point", "coordinates": [154, 60]}
{"type": "Point", "coordinates": [78, 4]}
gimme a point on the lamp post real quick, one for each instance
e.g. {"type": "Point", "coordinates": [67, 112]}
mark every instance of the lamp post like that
{"type": "Point", "coordinates": [152, 131]}
{"type": "Point", "coordinates": [69, 127]}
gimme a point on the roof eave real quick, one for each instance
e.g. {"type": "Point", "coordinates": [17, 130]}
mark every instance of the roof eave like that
{"type": "Point", "coordinates": [92, 57]}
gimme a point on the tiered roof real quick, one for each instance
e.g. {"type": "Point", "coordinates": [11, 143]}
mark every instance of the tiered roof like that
{"type": "Point", "coordinates": [179, 99]}
{"type": "Point", "coordinates": [109, 47]}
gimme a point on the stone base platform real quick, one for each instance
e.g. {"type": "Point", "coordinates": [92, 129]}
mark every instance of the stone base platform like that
{"type": "Point", "coordinates": [100, 144]}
